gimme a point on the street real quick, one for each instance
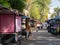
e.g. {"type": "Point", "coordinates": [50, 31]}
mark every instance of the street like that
{"type": "Point", "coordinates": [42, 37]}
{"type": "Point", "coordinates": [18, 18]}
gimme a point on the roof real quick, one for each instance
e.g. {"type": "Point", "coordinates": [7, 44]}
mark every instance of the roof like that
{"type": "Point", "coordinates": [4, 10]}
{"type": "Point", "coordinates": [57, 17]}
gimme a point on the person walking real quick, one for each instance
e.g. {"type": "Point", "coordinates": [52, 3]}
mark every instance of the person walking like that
{"type": "Point", "coordinates": [28, 31]}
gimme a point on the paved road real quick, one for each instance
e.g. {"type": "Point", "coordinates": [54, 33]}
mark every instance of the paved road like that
{"type": "Point", "coordinates": [42, 38]}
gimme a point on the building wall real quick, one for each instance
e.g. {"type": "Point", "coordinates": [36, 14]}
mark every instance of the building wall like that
{"type": "Point", "coordinates": [18, 23]}
{"type": "Point", "coordinates": [7, 23]}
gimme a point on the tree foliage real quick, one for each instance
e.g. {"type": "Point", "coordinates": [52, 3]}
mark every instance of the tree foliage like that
{"type": "Point", "coordinates": [34, 11]}
{"type": "Point", "coordinates": [14, 4]}
{"type": "Point", "coordinates": [56, 9]}
{"type": "Point", "coordinates": [53, 15]}
{"type": "Point", "coordinates": [43, 9]}
{"type": "Point", "coordinates": [5, 3]}
{"type": "Point", "coordinates": [55, 12]}
{"type": "Point", "coordinates": [18, 4]}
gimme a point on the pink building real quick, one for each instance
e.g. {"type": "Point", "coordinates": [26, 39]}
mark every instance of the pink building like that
{"type": "Point", "coordinates": [10, 25]}
{"type": "Point", "coordinates": [9, 22]}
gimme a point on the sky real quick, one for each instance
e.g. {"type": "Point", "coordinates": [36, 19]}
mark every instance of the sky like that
{"type": "Point", "coordinates": [54, 3]}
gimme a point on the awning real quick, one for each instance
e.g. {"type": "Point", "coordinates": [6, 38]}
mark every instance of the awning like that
{"type": "Point", "coordinates": [23, 16]}
{"type": "Point", "coordinates": [57, 17]}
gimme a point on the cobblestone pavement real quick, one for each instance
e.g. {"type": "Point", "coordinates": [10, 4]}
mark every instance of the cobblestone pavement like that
{"type": "Point", "coordinates": [41, 37]}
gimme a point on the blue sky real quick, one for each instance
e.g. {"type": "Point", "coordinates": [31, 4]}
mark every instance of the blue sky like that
{"type": "Point", "coordinates": [54, 3]}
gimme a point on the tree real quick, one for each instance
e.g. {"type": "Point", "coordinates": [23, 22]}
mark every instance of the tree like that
{"type": "Point", "coordinates": [18, 4]}
{"type": "Point", "coordinates": [34, 11]}
{"type": "Point", "coordinates": [56, 9]}
{"type": "Point", "coordinates": [43, 8]}
{"type": "Point", "coordinates": [55, 12]}
{"type": "Point", "coordinates": [14, 4]}
{"type": "Point", "coordinates": [53, 15]}
{"type": "Point", "coordinates": [5, 3]}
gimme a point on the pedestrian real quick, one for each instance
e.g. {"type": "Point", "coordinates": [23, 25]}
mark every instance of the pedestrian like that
{"type": "Point", "coordinates": [28, 31]}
